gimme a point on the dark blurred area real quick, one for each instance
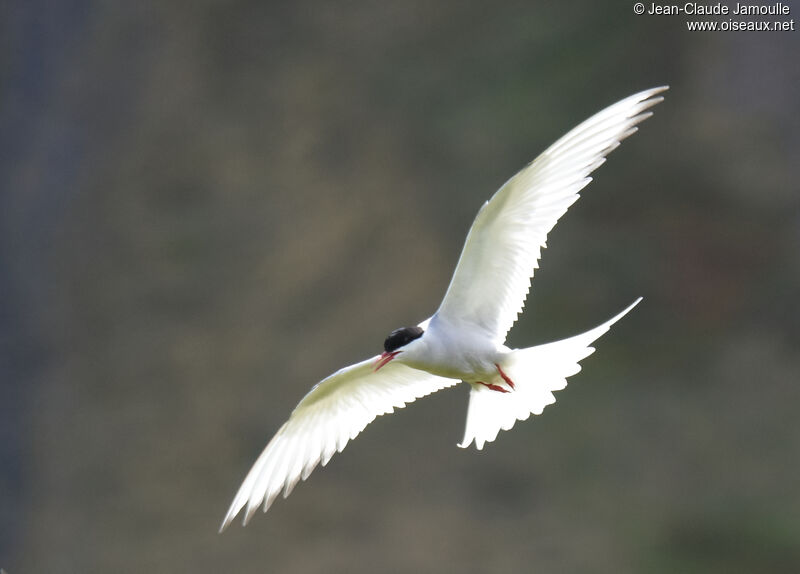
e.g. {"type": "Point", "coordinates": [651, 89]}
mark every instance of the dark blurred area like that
{"type": "Point", "coordinates": [206, 207]}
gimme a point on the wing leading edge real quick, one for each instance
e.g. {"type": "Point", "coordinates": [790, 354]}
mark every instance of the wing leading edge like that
{"type": "Point", "coordinates": [503, 247]}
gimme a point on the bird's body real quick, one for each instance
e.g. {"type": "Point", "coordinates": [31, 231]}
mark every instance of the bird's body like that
{"type": "Point", "coordinates": [465, 339]}
{"type": "Point", "coordinates": [454, 350]}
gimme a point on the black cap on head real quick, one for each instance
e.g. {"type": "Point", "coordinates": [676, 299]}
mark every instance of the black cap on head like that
{"type": "Point", "coordinates": [400, 337]}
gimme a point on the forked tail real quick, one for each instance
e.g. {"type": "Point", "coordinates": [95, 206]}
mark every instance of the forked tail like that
{"type": "Point", "coordinates": [536, 373]}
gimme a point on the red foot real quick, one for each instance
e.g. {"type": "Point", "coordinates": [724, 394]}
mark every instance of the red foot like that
{"type": "Point", "coordinates": [505, 377]}
{"type": "Point", "coordinates": [497, 388]}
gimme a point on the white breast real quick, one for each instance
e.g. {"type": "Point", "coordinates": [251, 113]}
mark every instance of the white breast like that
{"type": "Point", "coordinates": [454, 350]}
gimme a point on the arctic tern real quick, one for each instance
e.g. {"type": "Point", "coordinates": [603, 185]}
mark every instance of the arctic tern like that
{"type": "Point", "coordinates": [464, 340]}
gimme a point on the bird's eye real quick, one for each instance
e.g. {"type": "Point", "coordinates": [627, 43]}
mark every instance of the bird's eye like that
{"type": "Point", "coordinates": [401, 337]}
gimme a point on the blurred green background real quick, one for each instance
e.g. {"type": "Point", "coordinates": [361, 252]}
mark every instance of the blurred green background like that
{"type": "Point", "coordinates": [208, 206]}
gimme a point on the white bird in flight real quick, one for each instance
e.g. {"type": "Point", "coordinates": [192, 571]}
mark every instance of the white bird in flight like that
{"type": "Point", "coordinates": [465, 339]}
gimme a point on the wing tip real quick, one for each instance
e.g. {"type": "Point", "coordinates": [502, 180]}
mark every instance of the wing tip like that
{"type": "Point", "coordinates": [652, 93]}
{"type": "Point", "coordinates": [224, 526]}
{"type": "Point", "coordinates": [648, 99]}
{"type": "Point", "coordinates": [234, 509]}
{"type": "Point", "coordinates": [230, 517]}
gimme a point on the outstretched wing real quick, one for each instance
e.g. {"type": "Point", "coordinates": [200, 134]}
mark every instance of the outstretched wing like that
{"type": "Point", "coordinates": [493, 275]}
{"type": "Point", "coordinates": [336, 410]}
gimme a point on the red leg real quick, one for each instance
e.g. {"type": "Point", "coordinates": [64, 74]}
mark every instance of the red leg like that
{"type": "Point", "coordinates": [497, 388]}
{"type": "Point", "coordinates": [505, 377]}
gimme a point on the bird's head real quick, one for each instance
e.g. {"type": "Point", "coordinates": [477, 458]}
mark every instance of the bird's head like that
{"type": "Point", "coordinates": [395, 342]}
